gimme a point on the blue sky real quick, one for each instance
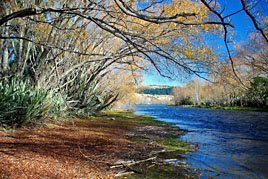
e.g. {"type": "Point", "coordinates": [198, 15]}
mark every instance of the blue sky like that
{"type": "Point", "coordinates": [153, 78]}
{"type": "Point", "coordinates": [243, 27]}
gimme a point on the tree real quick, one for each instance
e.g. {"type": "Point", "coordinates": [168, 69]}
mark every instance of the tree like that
{"type": "Point", "coordinates": [258, 92]}
{"type": "Point", "coordinates": [72, 46]}
{"type": "Point", "coordinates": [125, 23]}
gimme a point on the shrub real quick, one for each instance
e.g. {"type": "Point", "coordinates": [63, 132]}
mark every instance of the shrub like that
{"type": "Point", "coordinates": [184, 100]}
{"type": "Point", "coordinates": [22, 104]}
{"type": "Point", "coordinates": [57, 103]}
{"type": "Point", "coordinates": [257, 94]}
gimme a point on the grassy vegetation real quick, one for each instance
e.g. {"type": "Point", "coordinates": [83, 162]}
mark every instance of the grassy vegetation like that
{"type": "Point", "coordinates": [173, 144]}
{"type": "Point", "coordinates": [130, 116]}
{"type": "Point", "coordinates": [169, 141]}
{"type": "Point", "coordinates": [237, 108]}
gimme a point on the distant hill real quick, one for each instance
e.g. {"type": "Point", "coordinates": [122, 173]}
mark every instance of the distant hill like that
{"type": "Point", "coordinates": [156, 90]}
{"type": "Point", "coordinates": [154, 99]}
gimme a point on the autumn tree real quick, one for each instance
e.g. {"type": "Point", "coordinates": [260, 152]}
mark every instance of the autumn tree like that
{"type": "Point", "coordinates": [73, 47]}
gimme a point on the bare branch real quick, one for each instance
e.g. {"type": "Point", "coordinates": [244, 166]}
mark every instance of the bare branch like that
{"type": "Point", "coordinates": [254, 20]}
{"type": "Point", "coordinates": [160, 20]}
{"type": "Point", "coordinates": [222, 19]}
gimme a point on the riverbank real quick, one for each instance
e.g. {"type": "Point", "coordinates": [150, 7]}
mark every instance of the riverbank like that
{"type": "Point", "coordinates": [232, 144]}
{"type": "Point", "coordinates": [112, 145]}
{"type": "Point", "coordinates": [236, 108]}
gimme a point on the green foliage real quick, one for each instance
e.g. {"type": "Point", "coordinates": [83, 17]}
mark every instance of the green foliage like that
{"type": "Point", "coordinates": [85, 96]}
{"type": "Point", "coordinates": [57, 103]}
{"type": "Point", "coordinates": [258, 92]}
{"type": "Point", "coordinates": [22, 104]}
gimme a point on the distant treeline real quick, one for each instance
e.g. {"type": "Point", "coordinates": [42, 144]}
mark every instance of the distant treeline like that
{"type": "Point", "coordinates": [157, 91]}
{"type": "Point", "coordinates": [223, 94]}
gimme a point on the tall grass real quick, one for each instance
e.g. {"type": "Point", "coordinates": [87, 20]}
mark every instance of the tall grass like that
{"type": "Point", "coordinates": [23, 104]}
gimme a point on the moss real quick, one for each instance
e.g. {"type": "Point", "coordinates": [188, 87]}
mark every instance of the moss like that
{"type": "Point", "coordinates": [172, 144]}
{"type": "Point", "coordinates": [169, 143]}
{"type": "Point", "coordinates": [130, 116]}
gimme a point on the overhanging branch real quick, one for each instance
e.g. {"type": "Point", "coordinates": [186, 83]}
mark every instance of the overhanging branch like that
{"type": "Point", "coordinates": [19, 14]}
{"type": "Point", "coordinates": [254, 20]}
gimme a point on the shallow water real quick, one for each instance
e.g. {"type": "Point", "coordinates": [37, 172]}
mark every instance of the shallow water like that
{"type": "Point", "coordinates": [232, 144]}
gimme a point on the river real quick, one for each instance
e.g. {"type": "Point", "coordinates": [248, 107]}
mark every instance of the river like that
{"type": "Point", "coordinates": [232, 144]}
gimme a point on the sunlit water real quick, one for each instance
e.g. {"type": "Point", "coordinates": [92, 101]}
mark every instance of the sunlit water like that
{"type": "Point", "coordinates": [232, 144]}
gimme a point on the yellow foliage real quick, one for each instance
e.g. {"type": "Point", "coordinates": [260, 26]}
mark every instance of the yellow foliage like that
{"type": "Point", "coordinates": [42, 31]}
{"type": "Point", "coordinates": [189, 53]}
{"type": "Point", "coordinates": [187, 6]}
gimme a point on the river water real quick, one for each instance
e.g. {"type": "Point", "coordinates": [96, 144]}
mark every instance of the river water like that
{"type": "Point", "coordinates": [232, 144]}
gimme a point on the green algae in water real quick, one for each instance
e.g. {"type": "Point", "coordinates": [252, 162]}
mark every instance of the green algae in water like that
{"type": "Point", "coordinates": [162, 171]}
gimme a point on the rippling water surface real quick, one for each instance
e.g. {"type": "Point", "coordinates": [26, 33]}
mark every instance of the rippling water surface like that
{"type": "Point", "coordinates": [232, 144]}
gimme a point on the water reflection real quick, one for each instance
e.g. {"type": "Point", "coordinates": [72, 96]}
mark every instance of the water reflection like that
{"type": "Point", "coordinates": [232, 144]}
